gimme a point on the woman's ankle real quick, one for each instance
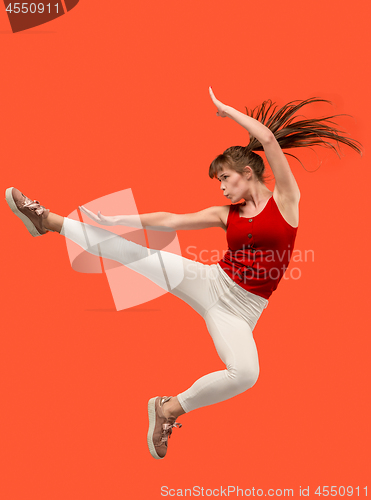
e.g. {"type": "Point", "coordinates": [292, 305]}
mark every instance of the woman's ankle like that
{"type": "Point", "coordinates": [172, 408]}
{"type": "Point", "coordinates": [53, 222]}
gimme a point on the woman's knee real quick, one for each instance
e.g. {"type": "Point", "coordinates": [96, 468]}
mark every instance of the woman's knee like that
{"type": "Point", "coordinates": [243, 377]}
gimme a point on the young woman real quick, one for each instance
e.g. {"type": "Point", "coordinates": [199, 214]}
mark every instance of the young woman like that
{"type": "Point", "coordinates": [232, 294]}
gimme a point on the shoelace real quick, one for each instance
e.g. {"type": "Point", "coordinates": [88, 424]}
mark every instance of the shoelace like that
{"type": "Point", "coordinates": [167, 430]}
{"type": "Point", "coordinates": [34, 206]}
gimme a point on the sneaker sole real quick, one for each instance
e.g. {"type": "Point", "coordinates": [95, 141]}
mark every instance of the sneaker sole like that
{"type": "Point", "coordinates": [13, 207]}
{"type": "Point", "coordinates": [152, 421]}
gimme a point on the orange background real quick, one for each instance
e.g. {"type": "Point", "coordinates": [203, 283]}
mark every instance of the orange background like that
{"type": "Point", "coordinates": [114, 95]}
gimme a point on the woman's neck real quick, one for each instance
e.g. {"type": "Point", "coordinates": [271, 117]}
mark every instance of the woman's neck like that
{"type": "Point", "coordinates": [257, 195]}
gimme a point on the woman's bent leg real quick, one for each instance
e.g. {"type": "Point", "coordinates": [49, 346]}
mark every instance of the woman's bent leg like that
{"type": "Point", "coordinates": [234, 342]}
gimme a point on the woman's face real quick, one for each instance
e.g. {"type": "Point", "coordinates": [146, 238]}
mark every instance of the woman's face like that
{"type": "Point", "coordinates": [234, 185]}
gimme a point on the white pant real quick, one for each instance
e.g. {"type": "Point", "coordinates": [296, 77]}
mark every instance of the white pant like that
{"type": "Point", "coordinates": [230, 312]}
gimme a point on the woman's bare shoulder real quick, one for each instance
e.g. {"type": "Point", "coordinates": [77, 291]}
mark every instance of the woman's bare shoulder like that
{"type": "Point", "coordinates": [223, 212]}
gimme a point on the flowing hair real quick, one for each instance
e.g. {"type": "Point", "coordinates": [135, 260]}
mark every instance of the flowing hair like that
{"type": "Point", "coordinates": [288, 133]}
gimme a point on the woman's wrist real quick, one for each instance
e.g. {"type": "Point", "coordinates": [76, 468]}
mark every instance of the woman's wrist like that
{"type": "Point", "coordinates": [253, 126]}
{"type": "Point", "coordinates": [229, 111]}
{"type": "Point", "coordinates": [127, 220]}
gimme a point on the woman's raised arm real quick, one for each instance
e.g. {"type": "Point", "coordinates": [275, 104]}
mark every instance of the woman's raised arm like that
{"type": "Point", "coordinates": [286, 185]}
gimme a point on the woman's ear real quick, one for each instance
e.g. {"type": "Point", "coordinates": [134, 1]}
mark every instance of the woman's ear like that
{"type": "Point", "coordinates": [248, 172]}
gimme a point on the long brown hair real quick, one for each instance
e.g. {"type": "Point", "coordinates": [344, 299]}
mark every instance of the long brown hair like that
{"type": "Point", "coordinates": [288, 133]}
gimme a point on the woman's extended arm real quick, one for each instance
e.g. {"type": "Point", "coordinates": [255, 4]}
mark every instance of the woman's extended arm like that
{"type": "Point", "coordinates": [210, 217]}
{"type": "Point", "coordinates": [286, 184]}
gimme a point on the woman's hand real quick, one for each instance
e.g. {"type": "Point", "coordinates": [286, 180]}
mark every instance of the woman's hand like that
{"type": "Point", "coordinates": [221, 107]}
{"type": "Point", "coordinates": [100, 219]}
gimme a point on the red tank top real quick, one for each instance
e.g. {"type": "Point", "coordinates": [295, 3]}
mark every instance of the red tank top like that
{"type": "Point", "coordinates": [259, 248]}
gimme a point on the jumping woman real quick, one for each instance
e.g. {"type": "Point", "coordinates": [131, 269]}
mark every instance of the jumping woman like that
{"type": "Point", "coordinates": [231, 295]}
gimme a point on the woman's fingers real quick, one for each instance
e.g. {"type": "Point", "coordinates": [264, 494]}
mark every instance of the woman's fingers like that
{"type": "Point", "coordinates": [213, 98]}
{"type": "Point", "coordinates": [99, 218]}
{"type": "Point", "coordinates": [217, 103]}
{"type": "Point", "coordinates": [85, 210]}
{"type": "Point", "coordinates": [89, 213]}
